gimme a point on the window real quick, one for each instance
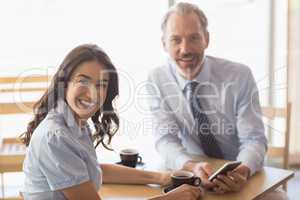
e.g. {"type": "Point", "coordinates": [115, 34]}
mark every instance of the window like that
{"type": "Point", "coordinates": [37, 34]}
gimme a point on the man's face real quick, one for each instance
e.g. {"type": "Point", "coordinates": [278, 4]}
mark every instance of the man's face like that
{"type": "Point", "coordinates": [185, 42]}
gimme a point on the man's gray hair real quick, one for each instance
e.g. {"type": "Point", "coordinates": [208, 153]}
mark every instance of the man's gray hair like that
{"type": "Point", "coordinates": [184, 8]}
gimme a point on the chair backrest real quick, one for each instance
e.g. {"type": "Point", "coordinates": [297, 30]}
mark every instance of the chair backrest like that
{"type": "Point", "coordinates": [272, 113]}
{"type": "Point", "coordinates": [21, 85]}
{"type": "Point", "coordinates": [12, 151]}
{"type": "Point", "coordinates": [11, 155]}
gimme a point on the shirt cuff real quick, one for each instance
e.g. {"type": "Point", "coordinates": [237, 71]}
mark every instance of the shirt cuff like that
{"type": "Point", "coordinates": [252, 164]}
{"type": "Point", "coordinates": [181, 160]}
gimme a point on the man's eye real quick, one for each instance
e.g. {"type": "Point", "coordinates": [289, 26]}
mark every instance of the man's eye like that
{"type": "Point", "coordinates": [175, 40]}
{"type": "Point", "coordinates": [195, 38]}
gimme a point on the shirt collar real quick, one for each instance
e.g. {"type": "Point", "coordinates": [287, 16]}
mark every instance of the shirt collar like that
{"type": "Point", "coordinates": [202, 77]}
{"type": "Point", "coordinates": [68, 116]}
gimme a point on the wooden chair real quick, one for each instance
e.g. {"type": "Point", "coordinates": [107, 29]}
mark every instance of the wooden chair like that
{"type": "Point", "coordinates": [11, 160]}
{"type": "Point", "coordinates": [12, 151]}
{"type": "Point", "coordinates": [283, 151]}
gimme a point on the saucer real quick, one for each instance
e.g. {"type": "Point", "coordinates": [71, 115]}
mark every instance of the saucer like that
{"type": "Point", "coordinates": [140, 164]}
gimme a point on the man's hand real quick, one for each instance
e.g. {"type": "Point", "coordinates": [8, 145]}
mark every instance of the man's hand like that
{"type": "Point", "coordinates": [202, 170]}
{"type": "Point", "coordinates": [233, 182]}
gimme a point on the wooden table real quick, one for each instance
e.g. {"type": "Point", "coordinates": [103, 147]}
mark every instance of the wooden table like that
{"type": "Point", "coordinates": [261, 183]}
{"type": "Point", "coordinates": [258, 185]}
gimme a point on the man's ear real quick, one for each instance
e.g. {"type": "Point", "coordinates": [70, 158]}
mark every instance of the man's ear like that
{"type": "Point", "coordinates": [207, 38]}
{"type": "Point", "coordinates": [164, 43]}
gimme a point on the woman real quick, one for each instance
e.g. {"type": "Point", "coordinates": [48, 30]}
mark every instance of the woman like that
{"type": "Point", "coordinates": [60, 160]}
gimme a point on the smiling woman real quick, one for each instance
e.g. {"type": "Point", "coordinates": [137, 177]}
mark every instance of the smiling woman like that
{"type": "Point", "coordinates": [128, 31]}
{"type": "Point", "coordinates": [61, 161]}
{"type": "Point", "coordinates": [90, 62]}
{"type": "Point", "coordinates": [60, 144]}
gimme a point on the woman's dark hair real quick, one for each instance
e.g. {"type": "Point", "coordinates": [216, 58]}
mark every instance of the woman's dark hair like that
{"type": "Point", "coordinates": [105, 120]}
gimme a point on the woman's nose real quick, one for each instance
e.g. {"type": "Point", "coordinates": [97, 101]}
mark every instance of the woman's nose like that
{"type": "Point", "coordinates": [92, 92]}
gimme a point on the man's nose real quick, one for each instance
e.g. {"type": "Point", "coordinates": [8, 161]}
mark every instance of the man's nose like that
{"type": "Point", "coordinates": [185, 47]}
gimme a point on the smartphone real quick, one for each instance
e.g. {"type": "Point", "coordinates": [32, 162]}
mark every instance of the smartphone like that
{"type": "Point", "coordinates": [224, 169]}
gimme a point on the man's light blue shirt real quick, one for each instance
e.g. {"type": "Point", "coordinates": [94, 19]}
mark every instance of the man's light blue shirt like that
{"type": "Point", "coordinates": [229, 97]}
{"type": "Point", "coordinates": [60, 155]}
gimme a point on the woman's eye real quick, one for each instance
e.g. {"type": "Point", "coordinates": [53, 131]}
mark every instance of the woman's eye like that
{"type": "Point", "coordinates": [83, 82]}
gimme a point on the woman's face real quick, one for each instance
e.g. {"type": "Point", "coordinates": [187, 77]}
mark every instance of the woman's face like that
{"type": "Point", "coordinates": [87, 89]}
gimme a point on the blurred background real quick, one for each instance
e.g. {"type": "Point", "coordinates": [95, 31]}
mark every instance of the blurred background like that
{"type": "Point", "coordinates": [263, 34]}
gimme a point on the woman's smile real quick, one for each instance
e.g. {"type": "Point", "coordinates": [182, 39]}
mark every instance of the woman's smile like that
{"type": "Point", "coordinates": [85, 104]}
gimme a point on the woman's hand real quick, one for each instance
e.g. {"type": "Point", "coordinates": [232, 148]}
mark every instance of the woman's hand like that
{"type": "Point", "coordinates": [165, 178]}
{"type": "Point", "coordinates": [184, 192]}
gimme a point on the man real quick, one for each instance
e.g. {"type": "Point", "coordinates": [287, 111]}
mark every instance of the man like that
{"type": "Point", "coordinates": [204, 105]}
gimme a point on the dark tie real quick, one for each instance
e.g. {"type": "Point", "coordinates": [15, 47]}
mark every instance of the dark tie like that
{"type": "Point", "coordinates": [208, 141]}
